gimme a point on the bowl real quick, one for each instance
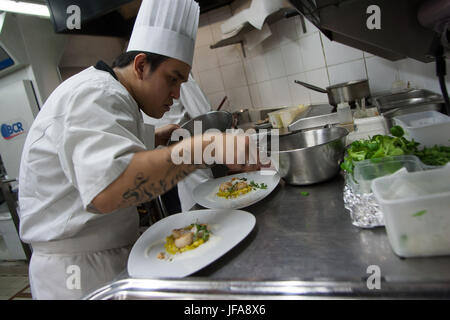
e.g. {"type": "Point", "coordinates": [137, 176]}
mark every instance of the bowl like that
{"type": "Point", "coordinates": [311, 156]}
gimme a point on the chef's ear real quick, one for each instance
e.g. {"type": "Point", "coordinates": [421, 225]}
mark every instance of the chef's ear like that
{"type": "Point", "coordinates": [139, 65]}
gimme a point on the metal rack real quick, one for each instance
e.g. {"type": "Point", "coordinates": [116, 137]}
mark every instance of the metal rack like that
{"type": "Point", "coordinates": [11, 200]}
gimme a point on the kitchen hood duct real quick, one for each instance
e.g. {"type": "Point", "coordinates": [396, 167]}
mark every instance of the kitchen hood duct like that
{"type": "Point", "coordinates": [399, 35]}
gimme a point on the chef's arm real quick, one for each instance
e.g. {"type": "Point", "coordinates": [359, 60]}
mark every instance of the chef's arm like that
{"type": "Point", "coordinates": [152, 173]}
{"type": "Point", "coordinates": [149, 174]}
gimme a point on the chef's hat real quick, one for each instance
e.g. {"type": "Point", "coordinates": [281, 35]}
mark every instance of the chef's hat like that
{"type": "Point", "coordinates": [166, 27]}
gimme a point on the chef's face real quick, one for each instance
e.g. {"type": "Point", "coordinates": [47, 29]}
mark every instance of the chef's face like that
{"type": "Point", "coordinates": [155, 90]}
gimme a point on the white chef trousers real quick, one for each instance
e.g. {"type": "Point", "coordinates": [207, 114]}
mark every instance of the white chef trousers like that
{"type": "Point", "coordinates": [64, 270]}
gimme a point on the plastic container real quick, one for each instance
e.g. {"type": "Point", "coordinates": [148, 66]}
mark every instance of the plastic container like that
{"type": "Point", "coordinates": [344, 113]}
{"type": "Point", "coordinates": [416, 208]}
{"type": "Point", "coordinates": [428, 128]}
{"type": "Point", "coordinates": [367, 128]}
{"type": "Point", "coordinates": [367, 170]}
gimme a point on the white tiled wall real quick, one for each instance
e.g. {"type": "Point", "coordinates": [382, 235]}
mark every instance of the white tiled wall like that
{"type": "Point", "coordinates": [264, 78]}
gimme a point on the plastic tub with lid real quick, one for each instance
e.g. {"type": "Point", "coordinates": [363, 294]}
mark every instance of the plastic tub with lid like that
{"type": "Point", "coordinates": [428, 128]}
{"type": "Point", "coordinates": [416, 209]}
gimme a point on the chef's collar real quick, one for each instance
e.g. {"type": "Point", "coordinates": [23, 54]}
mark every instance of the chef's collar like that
{"type": "Point", "coordinates": [101, 65]}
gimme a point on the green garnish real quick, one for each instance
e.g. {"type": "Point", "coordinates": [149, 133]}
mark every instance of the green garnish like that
{"type": "Point", "coordinates": [202, 232]}
{"type": "Point", "coordinates": [380, 146]}
{"type": "Point", "coordinates": [420, 213]}
{"type": "Point", "coordinates": [305, 193]}
{"type": "Point", "coordinates": [258, 186]}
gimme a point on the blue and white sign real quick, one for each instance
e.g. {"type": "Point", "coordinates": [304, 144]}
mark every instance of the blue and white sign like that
{"type": "Point", "coordinates": [11, 130]}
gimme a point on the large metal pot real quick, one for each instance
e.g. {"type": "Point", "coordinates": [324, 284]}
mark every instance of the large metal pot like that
{"type": "Point", "coordinates": [311, 156]}
{"type": "Point", "coordinates": [343, 92]}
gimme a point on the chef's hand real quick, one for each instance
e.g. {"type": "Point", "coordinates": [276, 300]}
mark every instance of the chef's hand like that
{"type": "Point", "coordinates": [163, 134]}
{"type": "Point", "coordinates": [235, 151]}
{"type": "Point", "coordinates": [238, 154]}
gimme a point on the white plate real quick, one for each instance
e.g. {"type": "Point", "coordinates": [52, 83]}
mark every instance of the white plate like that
{"type": "Point", "coordinates": [205, 193]}
{"type": "Point", "coordinates": [228, 228]}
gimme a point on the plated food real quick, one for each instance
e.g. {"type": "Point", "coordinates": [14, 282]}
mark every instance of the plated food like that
{"type": "Point", "coordinates": [184, 239]}
{"type": "Point", "coordinates": [236, 191]}
{"type": "Point", "coordinates": [226, 229]}
{"type": "Point", "coordinates": [238, 186]}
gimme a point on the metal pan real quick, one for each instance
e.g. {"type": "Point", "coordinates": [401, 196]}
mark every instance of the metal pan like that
{"type": "Point", "coordinates": [343, 92]}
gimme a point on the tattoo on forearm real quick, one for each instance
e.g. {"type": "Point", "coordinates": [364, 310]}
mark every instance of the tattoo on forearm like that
{"type": "Point", "coordinates": [144, 190]}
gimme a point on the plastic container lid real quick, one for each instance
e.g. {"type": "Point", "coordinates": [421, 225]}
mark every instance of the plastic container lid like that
{"type": "Point", "coordinates": [344, 113]}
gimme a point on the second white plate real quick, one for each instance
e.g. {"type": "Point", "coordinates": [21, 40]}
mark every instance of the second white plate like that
{"type": "Point", "coordinates": [205, 194]}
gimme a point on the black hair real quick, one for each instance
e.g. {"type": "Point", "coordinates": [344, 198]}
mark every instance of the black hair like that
{"type": "Point", "coordinates": [127, 58]}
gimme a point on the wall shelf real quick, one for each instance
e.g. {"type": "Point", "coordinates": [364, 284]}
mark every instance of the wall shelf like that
{"type": "Point", "coordinates": [271, 19]}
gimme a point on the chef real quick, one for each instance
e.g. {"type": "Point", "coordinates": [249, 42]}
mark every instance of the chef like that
{"type": "Point", "coordinates": [86, 165]}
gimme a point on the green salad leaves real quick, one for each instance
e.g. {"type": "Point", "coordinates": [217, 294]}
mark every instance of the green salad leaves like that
{"type": "Point", "coordinates": [380, 146]}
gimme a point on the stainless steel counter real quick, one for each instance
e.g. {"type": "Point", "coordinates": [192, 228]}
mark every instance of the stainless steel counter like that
{"type": "Point", "coordinates": [302, 246]}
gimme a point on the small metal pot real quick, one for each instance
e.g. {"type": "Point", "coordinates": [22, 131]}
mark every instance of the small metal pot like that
{"type": "Point", "coordinates": [221, 120]}
{"type": "Point", "coordinates": [310, 157]}
{"type": "Point", "coordinates": [343, 92]}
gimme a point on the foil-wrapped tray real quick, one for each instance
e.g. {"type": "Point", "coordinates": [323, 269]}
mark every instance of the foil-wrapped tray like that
{"type": "Point", "coordinates": [363, 207]}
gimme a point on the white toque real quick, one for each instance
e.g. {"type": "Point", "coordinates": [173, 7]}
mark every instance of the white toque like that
{"type": "Point", "coordinates": [166, 27]}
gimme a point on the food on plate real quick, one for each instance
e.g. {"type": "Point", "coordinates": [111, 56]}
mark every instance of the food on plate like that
{"type": "Point", "coordinates": [187, 238]}
{"type": "Point", "coordinates": [161, 256]}
{"type": "Point", "coordinates": [237, 187]}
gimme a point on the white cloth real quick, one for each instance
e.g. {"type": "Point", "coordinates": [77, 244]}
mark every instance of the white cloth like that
{"type": "Point", "coordinates": [192, 103]}
{"type": "Point", "coordinates": [166, 27]}
{"type": "Point", "coordinates": [81, 141]}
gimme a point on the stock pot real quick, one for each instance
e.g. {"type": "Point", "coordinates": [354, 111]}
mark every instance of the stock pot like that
{"type": "Point", "coordinates": [311, 156]}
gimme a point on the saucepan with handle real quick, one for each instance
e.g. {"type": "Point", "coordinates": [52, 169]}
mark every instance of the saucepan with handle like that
{"type": "Point", "coordinates": [343, 92]}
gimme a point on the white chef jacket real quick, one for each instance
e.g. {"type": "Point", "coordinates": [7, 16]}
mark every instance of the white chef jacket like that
{"type": "Point", "coordinates": [192, 103]}
{"type": "Point", "coordinates": [81, 141]}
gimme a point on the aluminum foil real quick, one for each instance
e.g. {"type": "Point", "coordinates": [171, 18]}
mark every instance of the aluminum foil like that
{"type": "Point", "coordinates": [363, 207]}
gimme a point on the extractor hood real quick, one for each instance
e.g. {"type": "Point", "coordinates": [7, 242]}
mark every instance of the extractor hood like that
{"type": "Point", "coordinates": [113, 18]}
{"type": "Point", "coordinates": [100, 17]}
{"type": "Point", "coordinates": [386, 28]}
